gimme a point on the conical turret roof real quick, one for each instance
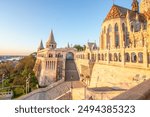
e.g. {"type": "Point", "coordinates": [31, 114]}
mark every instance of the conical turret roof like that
{"type": "Point", "coordinates": [41, 46]}
{"type": "Point", "coordinates": [51, 39]}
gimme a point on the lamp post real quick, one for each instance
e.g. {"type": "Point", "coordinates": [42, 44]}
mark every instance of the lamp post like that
{"type": "Point", "coordinates": [28, 83]}
{"type": "Point", "coordinates": [3, 78]}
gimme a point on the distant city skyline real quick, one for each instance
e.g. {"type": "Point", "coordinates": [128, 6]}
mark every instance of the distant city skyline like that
{"type": "Point", "coordinates": [24, 23]}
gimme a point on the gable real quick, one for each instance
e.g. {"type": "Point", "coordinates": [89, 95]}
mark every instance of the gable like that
{"type": "Point", "coordinates": [116, 12]}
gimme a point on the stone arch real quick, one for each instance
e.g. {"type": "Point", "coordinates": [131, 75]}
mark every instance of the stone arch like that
{"type": "Point", "coordinates": [50, 55]}
{"type": "Point", "coordinates": [99, 56]}
{"type": "Point", "coordinates": [119, 57]}
{"type": "Point", "coordinates": [70, 56]}
{"type": "Point", "coordinates": [59, 55]}
{"type": "Point", "coordinates": [110, 56]}
{"type": "Point", "coordinates": [105, 56]}
{"type": "Point", "coordinates": [115, 57]}
{"type": "Point", "coordinates": [133, 57]}
{"type": "Point", "coordinates": [102, 57]}
{"type": "Point", "coordinates": [127, 57]}
{"type": "Point", "coordinates": [140, 57]}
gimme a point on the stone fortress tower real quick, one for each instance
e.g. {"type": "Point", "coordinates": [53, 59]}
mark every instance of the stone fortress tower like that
{"type": "Point", "coordinates": [51, 61]}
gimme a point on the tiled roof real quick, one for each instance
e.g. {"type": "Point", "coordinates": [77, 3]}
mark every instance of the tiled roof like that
{"type": "Point", "coordinates": [121, 12]}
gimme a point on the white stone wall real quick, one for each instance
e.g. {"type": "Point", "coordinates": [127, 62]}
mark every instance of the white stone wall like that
{"type": "Point", "coordinates": [113, 76]}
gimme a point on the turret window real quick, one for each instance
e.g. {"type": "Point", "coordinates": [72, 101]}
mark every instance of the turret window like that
{"type": "Point", "coordinates": [123, 27]}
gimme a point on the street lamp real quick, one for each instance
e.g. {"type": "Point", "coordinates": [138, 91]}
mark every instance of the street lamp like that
{"type": "Point", "coordinates": [3, 77]}
{"type": "Point", "coordinates": [28, 83]}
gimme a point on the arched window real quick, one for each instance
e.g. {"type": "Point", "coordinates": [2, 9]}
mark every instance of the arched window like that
{"type": "Point", "coordinates": [105, 56]}
{"type": "Point", "coordinates": [109, 28]}
{"type": "Point", "coordinates": [102, 57]}
{"type": "Point", "coordinates": [50, 55]}
{"type": "Point", "coordinates": [133, 57]}
{"type": "Point", "coordinates": [140, 57]}
{"type": "Point", "coordinates": [119, 57]}
{"type": "Point", "coordinates": [123, 27]}
{"type": "Point", "coordinates": [116, 35]}
{"type": "Point", "coordinates": [116, 27]}
{"type": "Point", "coordinates": [110, 57]}
{"type": "Point", "coordinates": [99, 57]}
{"type": "Point", "coordinates": [127, 57]}
{"type": "Point", "coordinates": [115, 57]}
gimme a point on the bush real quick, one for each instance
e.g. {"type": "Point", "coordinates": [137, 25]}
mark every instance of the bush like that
{"type": "Point", "coordinates": [18, 92]}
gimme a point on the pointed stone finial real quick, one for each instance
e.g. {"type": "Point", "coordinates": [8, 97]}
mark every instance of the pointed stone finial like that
{"type": "Point", "coordinates": [137, 17]}
{"type": "Point", "coordinates": [135, 6]}
{"type": "Point", "coordinates": [68, 45]}
{"type": "Point", "coordinates": [128, 14]}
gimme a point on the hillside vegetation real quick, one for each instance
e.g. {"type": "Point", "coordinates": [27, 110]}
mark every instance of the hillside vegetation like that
{"type": "Point", "coordinates": [16, 74]}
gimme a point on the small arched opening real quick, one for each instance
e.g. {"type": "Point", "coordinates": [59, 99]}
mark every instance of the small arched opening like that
{"type": "Point", "coordinates": [110, 57]}
{"type": "Point", "coordinates": [127, 57]}
{"type": "Point", "coordinates": [133, 57]}
{"type": "Point", "coordinates": [70, 56]}
{"type": "Point", "coordinates": [115, 57]}
{"type": "Point", "coordinates": [140, 57]}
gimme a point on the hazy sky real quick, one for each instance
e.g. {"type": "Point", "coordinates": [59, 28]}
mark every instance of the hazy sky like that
{"type": "Point", "coordinates": [23, 23]}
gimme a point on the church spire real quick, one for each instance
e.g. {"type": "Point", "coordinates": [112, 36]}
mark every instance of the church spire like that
{"type": "Point", "coordinates": [135, 6]}
{"type": "Point", "coordinates": [41, 46]}
{"type": "Point", "coordinates": [51, 41]}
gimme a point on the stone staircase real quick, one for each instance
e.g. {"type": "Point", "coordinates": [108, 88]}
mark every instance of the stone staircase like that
{"type": "Point", "coordinates": [71, 71]}
{"type": "Point", "coordinates": [52, 92]}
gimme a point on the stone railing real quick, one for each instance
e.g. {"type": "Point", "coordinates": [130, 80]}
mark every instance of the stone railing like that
{"type": "Point", "coordinates": [139, 92]}
{"type": "Point", "coordinates": [6, 95]}
{"type": "Point", "coordinates": [41, 90]}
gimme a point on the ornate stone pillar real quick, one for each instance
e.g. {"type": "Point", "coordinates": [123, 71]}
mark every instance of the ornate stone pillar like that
{"type": "Point", "coordinates": [145, 55]}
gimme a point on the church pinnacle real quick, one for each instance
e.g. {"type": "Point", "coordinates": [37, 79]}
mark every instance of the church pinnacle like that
{"type": "Point", "coordinates": [51, 41]}
{"type": "Point", "coordinates": [41, 46]}
{"type": "Point", "coordinates": [135, 6]}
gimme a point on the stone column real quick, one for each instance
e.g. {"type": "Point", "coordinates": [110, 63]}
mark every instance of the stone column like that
{"type": "Point", "coordinates": [113, 40]}
{"type": "Point", "coordinates": [108, 61]}
{"type": "Point", "coordinates": [145, 56]}
{"type": "Point", "coordinates": [123, 55]}
{"type": "Point", "coordinates": [97, 56]}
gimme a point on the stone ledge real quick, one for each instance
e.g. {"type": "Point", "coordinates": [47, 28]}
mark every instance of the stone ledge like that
{"type": "Point", "coordinates": [42, 90]}
{"type": "Point", "coordinates": [139, 92]}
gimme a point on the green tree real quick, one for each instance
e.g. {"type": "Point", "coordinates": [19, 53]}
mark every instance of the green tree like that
{"type": "Point", "coordinates": [79, 47]}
